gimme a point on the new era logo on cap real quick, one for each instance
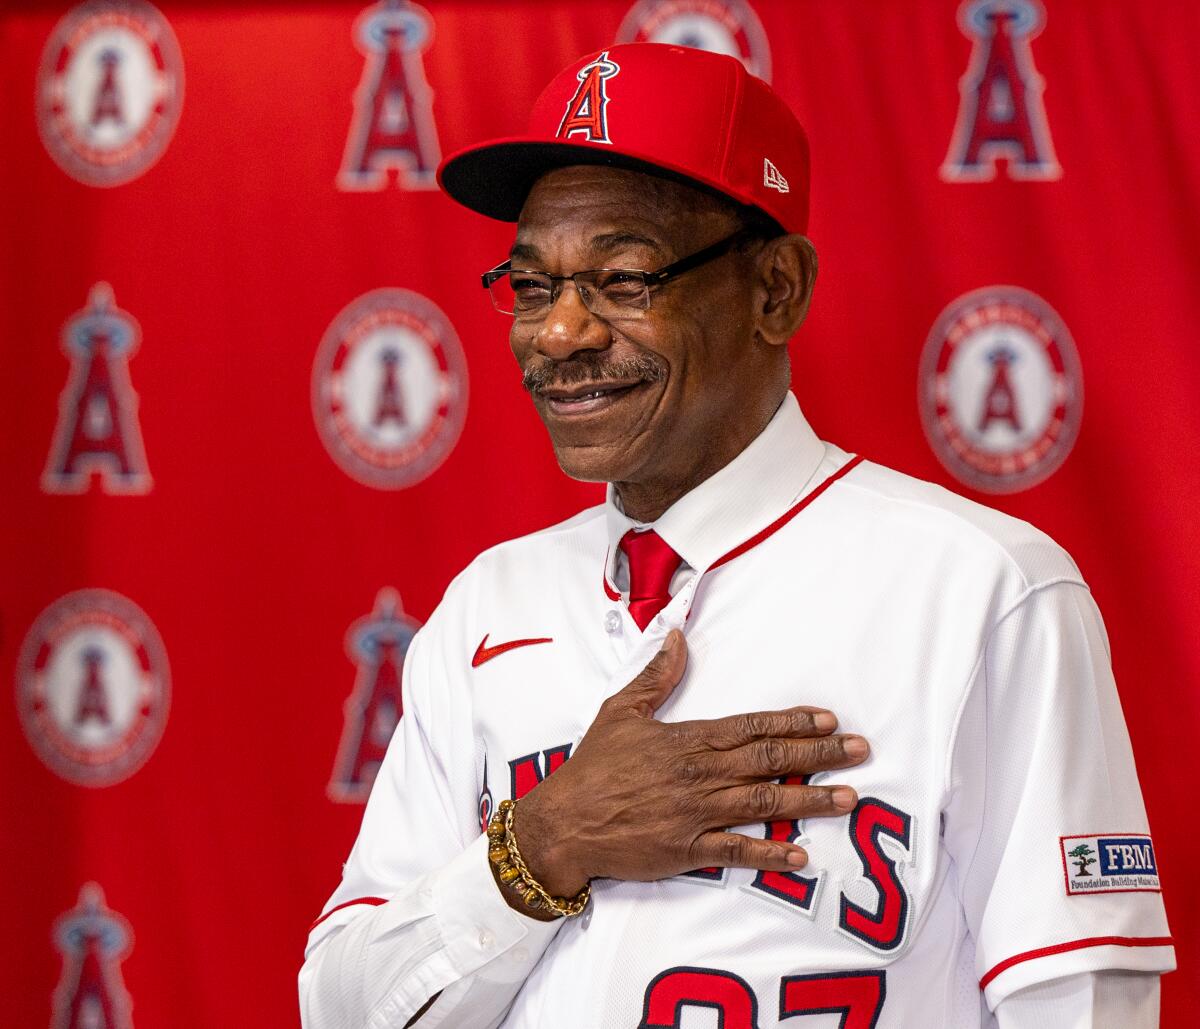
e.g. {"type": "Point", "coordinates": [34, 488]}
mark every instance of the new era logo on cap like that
{"type": "Point", "coordinates": [772, 178]}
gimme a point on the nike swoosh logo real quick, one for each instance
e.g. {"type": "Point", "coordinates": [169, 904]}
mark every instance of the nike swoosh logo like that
{"type": "Point", "coordinates": [485, 653]}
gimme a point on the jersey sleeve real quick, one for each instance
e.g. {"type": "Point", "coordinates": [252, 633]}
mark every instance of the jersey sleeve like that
{"type": "Point", "coordinates": [417, 912]}
{"type": "Point", "coordinates": [1045, 823]}
{"type": "Point", "coordinates": [1111, 999]}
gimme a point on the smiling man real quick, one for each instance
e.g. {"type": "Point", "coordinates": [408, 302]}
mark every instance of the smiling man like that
{"type": "Point", "coordinates": [641, 705]}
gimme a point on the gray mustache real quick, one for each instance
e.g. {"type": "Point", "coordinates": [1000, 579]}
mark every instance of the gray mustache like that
{"type": "Point", "coordinates": [546, 375]}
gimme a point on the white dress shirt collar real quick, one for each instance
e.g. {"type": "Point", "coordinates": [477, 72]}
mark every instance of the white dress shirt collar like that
{"type": "Point", "coordinates": [737, 501]}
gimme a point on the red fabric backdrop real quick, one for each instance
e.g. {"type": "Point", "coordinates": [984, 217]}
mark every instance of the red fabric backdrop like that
{"type": "Point", "coordinates": [249, 547]}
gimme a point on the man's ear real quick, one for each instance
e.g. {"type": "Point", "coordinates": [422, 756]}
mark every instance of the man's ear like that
{"type": "Point", "coordinates": [787, 270]}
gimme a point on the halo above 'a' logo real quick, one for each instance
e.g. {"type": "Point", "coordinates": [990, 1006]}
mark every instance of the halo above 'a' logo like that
{"type": "Point", "coordinates": [389, 388]}
{"type": "Point", "coordinates": [1001, 389]}
{"type": "Point", "coordinates": [110, 90]}
{"type": "Point", "coordinates": [722, 26]}
{"type": "Point", "coordinates": [93, 687]}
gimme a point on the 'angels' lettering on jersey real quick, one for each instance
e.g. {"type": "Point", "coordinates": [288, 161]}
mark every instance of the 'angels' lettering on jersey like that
{"type": "Point", "coordinates": [880, 924]}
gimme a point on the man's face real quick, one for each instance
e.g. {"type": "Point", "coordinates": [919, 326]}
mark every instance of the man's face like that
{"type": "Point", "coordinates": [643, 400]}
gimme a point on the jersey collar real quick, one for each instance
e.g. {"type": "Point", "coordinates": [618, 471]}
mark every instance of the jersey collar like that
{"type": "Point", "coordinates": [750, 492]}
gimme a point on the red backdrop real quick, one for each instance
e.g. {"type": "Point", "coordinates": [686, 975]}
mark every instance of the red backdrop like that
{"type": "Point", "coordinates": [249, 546]}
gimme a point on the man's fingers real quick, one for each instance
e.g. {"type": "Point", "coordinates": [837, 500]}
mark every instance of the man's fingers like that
{"type": "Point", "coordinates": [773, 757]}
{"type": "Point", "coordinates": [653, 684]}
{"type": "Point", "coordinates": [740, 729]}
{"type": "Point", "coordinates": [732, 850]}
{"type": "Point", "coordinates": [772, 801]}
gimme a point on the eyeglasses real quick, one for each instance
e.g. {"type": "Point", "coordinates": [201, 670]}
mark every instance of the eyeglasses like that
{"type": "Point", "coordinates": [609, 293]}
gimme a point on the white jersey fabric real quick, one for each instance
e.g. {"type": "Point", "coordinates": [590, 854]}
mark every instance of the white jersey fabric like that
{"type": "Point", "coordinates": [1000, 842]}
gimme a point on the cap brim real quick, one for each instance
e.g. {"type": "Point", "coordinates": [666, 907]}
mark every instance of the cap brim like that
{"type": "Point", "coordinates": [495, 178]}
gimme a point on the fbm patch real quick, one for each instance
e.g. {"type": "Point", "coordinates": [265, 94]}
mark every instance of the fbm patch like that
{"type": "Point", "coordinates": [1109, 864]}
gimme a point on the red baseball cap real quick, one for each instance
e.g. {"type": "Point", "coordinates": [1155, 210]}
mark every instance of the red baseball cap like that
{"type": "Point", "coordinates": [666, 110]}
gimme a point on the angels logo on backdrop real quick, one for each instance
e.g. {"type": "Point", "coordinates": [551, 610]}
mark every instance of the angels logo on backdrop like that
{"type": "Point", "coordinates": [376, 644]}
{"type": "Point", "coordinates": [389, 388]}
{"type": "Point", "coordinates": [393, 126]}
{"type": "Point", "coordinates": [1001, 389]}
{"type": "Point", "coordinates": [97, 429]}
{"type": "Point", "coordinates": [110, 90]}
{"type": "Point", "coordinates": [93, 687]}
{"type": "Point", "coordinates": [93, 941]}
{"type": "Point", "coordinates": [1001, 114]}
{"type": "Point", "coordinates": [722, 26]}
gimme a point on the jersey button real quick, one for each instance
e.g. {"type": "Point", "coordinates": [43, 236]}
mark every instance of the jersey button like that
{"type": "Point", "coordinates": [486, 939]}
{"type": "Point", "coordinates": [612, 622]}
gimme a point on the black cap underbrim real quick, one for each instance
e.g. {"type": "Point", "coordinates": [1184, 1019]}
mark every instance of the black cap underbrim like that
{"type": "Point", "coordinates": [495, 179]}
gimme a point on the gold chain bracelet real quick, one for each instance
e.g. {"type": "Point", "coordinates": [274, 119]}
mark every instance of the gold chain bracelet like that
{"type": "Point", "coordinates": [503, 853]}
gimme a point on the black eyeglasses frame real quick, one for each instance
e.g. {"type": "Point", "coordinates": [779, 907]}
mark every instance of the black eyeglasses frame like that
{"type": "Point", "coordinates": [650, 279]}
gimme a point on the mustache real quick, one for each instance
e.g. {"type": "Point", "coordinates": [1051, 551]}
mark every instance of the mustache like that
{"type": "Point", "coordinates": [589, 367]}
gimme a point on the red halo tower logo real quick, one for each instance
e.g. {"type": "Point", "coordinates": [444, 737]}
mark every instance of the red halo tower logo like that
{"type": "Point", "coordinates": [93, 941]}
{"type": "Point", "coordinates": [93, 687]}
{"type": "Point", "coordinates": [393, 127]}
{"type": "Point", "coordinates": [1001, 389]}
{"type": "Point", "coordinates": [110, 91]}
{"type": "Point", "coordinates": [389, 388]}
{"type": "Point", "coordinates": [377, 644]}
{"type": "Point", "coordinates": [97, 429]}
{"type": "Point", "coordinates": [721, 26]}
{"type": "Point", "coordinates": [1000, 113]}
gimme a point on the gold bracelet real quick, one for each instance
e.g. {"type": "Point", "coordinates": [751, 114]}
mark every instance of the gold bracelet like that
{"type": "Point", "coordinates": [503, 853]}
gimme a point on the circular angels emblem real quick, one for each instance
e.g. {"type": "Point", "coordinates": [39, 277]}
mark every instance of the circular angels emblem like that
{"type": "Point", "coordinates": [93, 687]}
{"type": "Point", "coordinates": [721, 26]}
{"type": "Point", "coordinates": [389, 388]}
{"type": "Point", "coordinates": [110, 90]}
{"type": "Point", "coordinates": [1001, 389]}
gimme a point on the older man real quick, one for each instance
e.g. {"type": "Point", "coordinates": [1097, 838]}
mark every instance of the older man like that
{"type": "Point", "coordinates": [630, 677]}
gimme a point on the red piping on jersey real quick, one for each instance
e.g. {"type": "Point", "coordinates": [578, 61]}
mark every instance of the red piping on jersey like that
{"type": "Point", "coordinates": [758, 537]}
{"type": "Point", "coordinates": [787, 515]}
{"type": "Point", "coordinates": [611, 591]}
{"type": "Point", "coordinates": [1062, 948]}
{"type": "Point", "coordinates": [373, 901]}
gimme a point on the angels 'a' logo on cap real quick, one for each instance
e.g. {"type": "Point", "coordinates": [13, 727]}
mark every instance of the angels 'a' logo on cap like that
{"type": "Point", "coordinates": [93, 941]}
{"type": "Point", "coordinates": [1001, 114]}
{"type": "Point", "coordinates": [389, 388]}
{"type": "Point", "coordinates": [1001, 390]}
{"type": "Point", "coordinates": [587, 110]}
{"type": "Point", "coordinates": [110, 90]}
{"type": "Point", "coordinates": [721, 26]}
{"type": "Point", "coordinates": [93, 687]}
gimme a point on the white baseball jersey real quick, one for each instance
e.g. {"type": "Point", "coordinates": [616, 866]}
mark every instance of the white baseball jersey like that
{"type": "Point", "coordinates": [1000, 838]}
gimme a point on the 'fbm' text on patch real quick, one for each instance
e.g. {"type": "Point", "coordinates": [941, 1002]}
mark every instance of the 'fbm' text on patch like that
{"type": "Point", "coordinates": [1109, 864]}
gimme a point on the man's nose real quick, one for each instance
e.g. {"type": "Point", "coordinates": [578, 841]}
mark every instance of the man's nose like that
{"type": "Point", "coordinates": [570, 327]}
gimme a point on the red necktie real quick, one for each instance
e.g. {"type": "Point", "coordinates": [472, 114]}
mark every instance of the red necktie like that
{"type": "Point", "coordinates": [651, 566]}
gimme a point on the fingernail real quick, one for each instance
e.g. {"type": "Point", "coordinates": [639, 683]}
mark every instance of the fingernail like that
{"type": "Point", "coordinates": [797, 858]}
{"type": "Point", "coordinates": [672, 640]}
{"type": "Point", "coordinates": [855, 746]}
{"type": "Point", "coordinates": [844, 798]}
{"type": "Point", "coordinates": [825, 721]}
